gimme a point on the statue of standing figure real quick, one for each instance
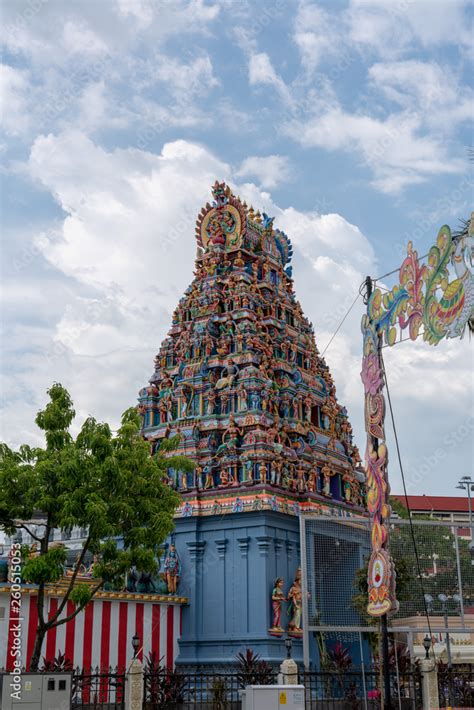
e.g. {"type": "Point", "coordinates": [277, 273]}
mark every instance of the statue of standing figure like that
{"type": "Point", "coordinates": [295, 598]}
{"type": "Point", "coordinates": [278, 597]}
{"type": "Point", "coordinates": [172, 569]}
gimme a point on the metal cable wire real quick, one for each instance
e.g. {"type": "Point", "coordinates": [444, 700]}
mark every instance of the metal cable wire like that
{"type": "Point", "coordinates": [340, 324]}
{"type": "Point", "coordinates": [397, 269]}
{"type": "Point", "coordinates": [412, 531]}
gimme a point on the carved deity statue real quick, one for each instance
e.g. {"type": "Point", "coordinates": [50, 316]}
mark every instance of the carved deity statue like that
{"type": "Point", "coordinates": [295, 598]}
{"type": "Point", "coordinates": [278, 597]}
{"type": "Point", "coordinates": [172, 569]}
{"type": "Point", "coordinates": [326, 472]}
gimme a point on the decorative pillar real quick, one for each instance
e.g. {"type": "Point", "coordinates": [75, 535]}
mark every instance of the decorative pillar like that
{"type": "Point", "coordinates": [288, 672]}
{"type": "Point", "coordinates": [429, 676]}
{"type": "Point", "coordinates": [134, 686]}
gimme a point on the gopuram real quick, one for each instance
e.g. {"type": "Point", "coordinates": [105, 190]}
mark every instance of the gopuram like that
{"type": "Point", "coordinates": [240, 380]}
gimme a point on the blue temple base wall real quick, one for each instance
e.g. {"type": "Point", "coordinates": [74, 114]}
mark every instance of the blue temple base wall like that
{"type": "Point", "coordinates": [229, 566]}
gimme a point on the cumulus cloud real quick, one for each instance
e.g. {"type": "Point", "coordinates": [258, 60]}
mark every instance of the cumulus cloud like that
{"type": "Point", "coordinates": [14, 88]}
{"type": "Point", "coordinates": [390, 29]}
{"type": "Point", "coordinates": [261, 71]}
{"type": "Point", "coordinates": [270, 170]}
{"type": "Point", "coordinates": [317, 35]}
{"type": "Point", "coordinates": [397, 149]}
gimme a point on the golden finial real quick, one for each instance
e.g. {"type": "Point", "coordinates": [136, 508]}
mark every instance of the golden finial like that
{"type": "Point", "coordinates": [251, 212]}
{"type": "Point", "coordinates": [258, 217]}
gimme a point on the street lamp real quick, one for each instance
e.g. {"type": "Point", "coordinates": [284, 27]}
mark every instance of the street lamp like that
{"type": "Point", "coordinates": [467, 484]}
{"type": "Point", "coordinates": [135, 644]}
{"type": "Point", "coordinates": [288, 644]}
{"type": "Point", "coordinates": [427, 646]}
{"type": "Point", "coordinates": [444, 607]}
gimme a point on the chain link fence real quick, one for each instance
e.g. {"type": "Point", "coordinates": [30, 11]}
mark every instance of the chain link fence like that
{"type": "Point", "coordinates": [435, 584]}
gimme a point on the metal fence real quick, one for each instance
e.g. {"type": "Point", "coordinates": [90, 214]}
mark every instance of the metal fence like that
{"type": "Point", "coordinates": [348, 690]}
{"type": "Point", "coordinates": [455, 687]}
{"type": "Point", "coordinates": [99, 688]}
{"type": "Point", "coordinates": [351, 690]}
{"type": "Point", "coordinates": [197, 691]}
{"type": "Point", "coordinates": [334, 559]}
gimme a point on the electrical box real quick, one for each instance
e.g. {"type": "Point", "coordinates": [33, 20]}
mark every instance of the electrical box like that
{"type": "Point", "coordinates": [36, 691]}
{"type": "Point", "coordinates": [273, 697]}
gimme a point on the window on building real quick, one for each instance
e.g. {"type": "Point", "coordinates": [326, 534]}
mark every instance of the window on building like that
{"type": "Point", "coordinates": [315, 416]}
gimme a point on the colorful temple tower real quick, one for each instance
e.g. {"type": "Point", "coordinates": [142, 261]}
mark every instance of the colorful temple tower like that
{"type": "Point", "coordinates": [240, 379]}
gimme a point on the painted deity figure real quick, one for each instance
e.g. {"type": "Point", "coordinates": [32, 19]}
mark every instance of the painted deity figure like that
{"type": "Point", "coordinates": [211, 402]}
{"type": "Point", "coordinates": [347, 491]}
{"type": "Point", "coordinates": [172, 569]}
{"type": "Point", "coordinates": [199, 476]}
{"type": "Point", "coordinates": [278, 597]}
{"type": "Point", "coordinates": [276, 472]}
{"type": "Point", "coordinates": [295, 598]}
{"type": "Point", "coordinates": [232, 432]}
{"type": "Point", "coordinates": [312, 477]}
{"type": "Point", "coordinates": [227, 479]}
{"type": "Point", "coordinates": [248, 472]}
{"type": "Point", "coordinates": [254, 400]}
{"type": "Point", "coordinates": [326, 471]}
{"type": "Point", "coordinates": [242, 394]}
{"type": "Point", "coordinates": [300, 480]}
{"type": "Point", "coordinates": [262, 472]}
{"type": "Point", "coordinates": [209, 482]}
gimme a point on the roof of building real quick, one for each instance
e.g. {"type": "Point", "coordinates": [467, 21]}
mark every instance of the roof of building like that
{"type": "Point", "coordinates": [450, 504]}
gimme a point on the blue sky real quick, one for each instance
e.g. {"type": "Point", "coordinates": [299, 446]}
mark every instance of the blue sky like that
{"type": "Point", "coordinates": [349, 121]}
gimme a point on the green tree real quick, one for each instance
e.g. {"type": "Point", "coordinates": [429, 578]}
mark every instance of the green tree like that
{"type": "Point", "coordinates": [108, 484]}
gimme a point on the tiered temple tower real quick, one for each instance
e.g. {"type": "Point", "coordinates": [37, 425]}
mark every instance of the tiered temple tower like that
{"type": "Point", "coordinates": [239, 377]}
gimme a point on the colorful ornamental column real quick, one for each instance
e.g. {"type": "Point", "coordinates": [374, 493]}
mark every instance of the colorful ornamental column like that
{"type": "Point", "coordinates": [240, 380]}
{"type": "Point", "coordinates": [427, 301]}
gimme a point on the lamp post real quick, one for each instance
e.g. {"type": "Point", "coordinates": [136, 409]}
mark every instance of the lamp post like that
{"type": "Point", "coordinates": [288, 645]}
{"type": "Point", "coordinates": [444, 608]}
{"type": "Point", "coordinates": [427, 646]}
{"type": "Point", "coordinates": [135, 644]}
{"type": "Point", "coordinates": [467, 484]}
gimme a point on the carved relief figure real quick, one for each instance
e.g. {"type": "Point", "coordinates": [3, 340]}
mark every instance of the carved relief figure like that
{"type": "Point", "coordinates": [172, 569]}
{"type": "Point", "coordinates": [278, 597]}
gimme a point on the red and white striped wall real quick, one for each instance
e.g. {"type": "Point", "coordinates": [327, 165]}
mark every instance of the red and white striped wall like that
{"type": "Point", "coordinates": [100, 635]}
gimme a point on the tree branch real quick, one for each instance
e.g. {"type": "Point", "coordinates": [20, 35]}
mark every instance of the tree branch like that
{"type": "Point", "coordinates": [35, 537]}
{"type": "Point", "coordinates": [72, 580]}
{"type": "Point", "coordinates": [51, 623]}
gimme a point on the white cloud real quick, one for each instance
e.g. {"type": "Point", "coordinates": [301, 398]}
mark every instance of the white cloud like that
{"type": "Point", "coordinates": [270, 170]}
{"type": "Point", "coordinates": [14, 89]}
{"type": "Point", "coordinates": [317, 35]}
{"type": "Point", "coordinates": [79, 39]}
{"type": "Point", "coordinates": [390, 29]}
{"type": "Point", "coordinates": [397, 149]}
{"type": "Point", "coordinates": [261, 71]}
{"type": "Point", "coordinates": [433, 92]}
{"type": "Point", "coordinates": [186, 80]}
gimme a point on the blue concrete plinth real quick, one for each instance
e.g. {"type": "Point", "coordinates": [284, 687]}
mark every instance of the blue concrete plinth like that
{"type": "Point", "coordinates": [229, 566]}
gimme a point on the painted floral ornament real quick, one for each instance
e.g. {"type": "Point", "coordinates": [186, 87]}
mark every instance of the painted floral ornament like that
{"type": "Point", "coordinates": [381, 582]}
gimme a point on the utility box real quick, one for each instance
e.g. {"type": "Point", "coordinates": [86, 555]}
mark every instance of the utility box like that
{"type": "Point", "coordinates": [273, 697]}
{"type": "Point", "coordinates": [36, 691]}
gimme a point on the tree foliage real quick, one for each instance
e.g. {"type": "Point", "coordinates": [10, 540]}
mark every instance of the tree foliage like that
{"type": "Point", "coordinates": [106, 483]}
